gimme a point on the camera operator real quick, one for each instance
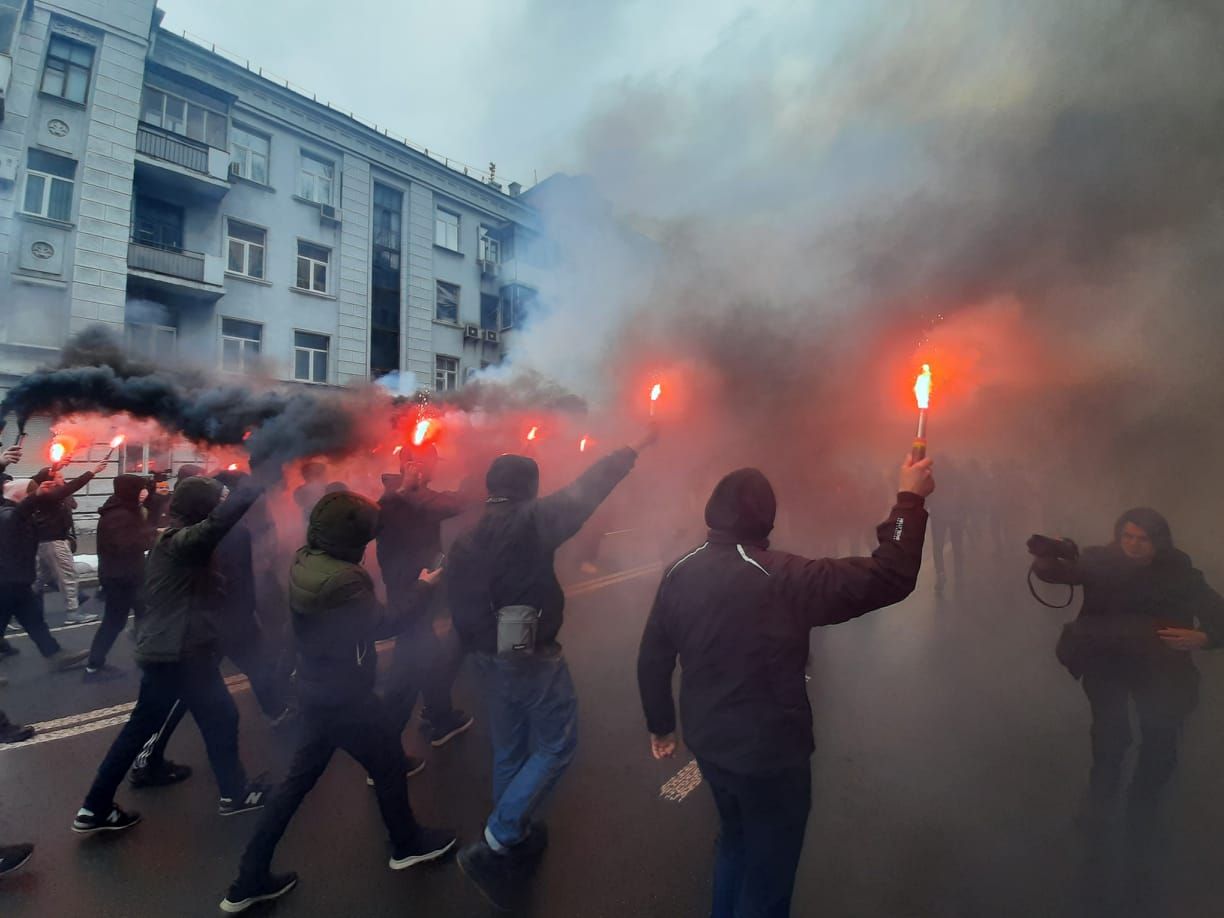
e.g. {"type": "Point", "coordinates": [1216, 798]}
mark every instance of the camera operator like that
{"type": "Point", "coordinates": [1145, 608]}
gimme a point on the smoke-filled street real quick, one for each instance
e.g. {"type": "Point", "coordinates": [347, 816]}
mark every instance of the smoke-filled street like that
{"type": "Point", "coordinates": [951, 753]}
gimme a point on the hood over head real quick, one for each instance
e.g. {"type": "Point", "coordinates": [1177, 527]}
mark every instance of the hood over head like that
{"type": "Point", "coordinates": [194, 498]}
{"type": "Point", "coordinates": [342, 524]}
{"type": "Point", "coordinates": [128, 488]}
{"type": "Point", "coordinates": [190, 470]}
{"type": "Point", "coordinates": [513, 478]}
{"type": "Point", "coordinates": [743, 506]}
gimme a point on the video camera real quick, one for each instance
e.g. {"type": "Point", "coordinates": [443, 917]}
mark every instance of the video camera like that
{"type": "Point", "coordinates": [1041, 546]}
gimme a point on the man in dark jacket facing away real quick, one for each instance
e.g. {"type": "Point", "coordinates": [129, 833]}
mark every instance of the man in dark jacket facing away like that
{"type": "Point", "coordinates": [336, 620]}
{"type": "Point", "coordinates": [56, 530]}
{"type": "Point", "coordinates": [125, 532]}
{"type": "Point", "coordinates": [738, 615]}
{"type": "Point", "coordinates": [176, 647]}
{"type": "Point", "coordinates": [410, 539]}
{"type": "Point", "coordinates": [503, 567]}
{"type": "Point", "coordinates": [23, 500]}
{"type": "Point", "coordinates": [1145, 608]}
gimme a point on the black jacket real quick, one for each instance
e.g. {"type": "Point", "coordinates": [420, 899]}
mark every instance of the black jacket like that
{"type": "Point", "coordinates": [1125, 604]}
{"type": "Point", "coordinates": [233, 562]}
{"type": "Point", "coordinates": [507, 559]}
{"type": "Point", "coordinates": [53, 510]}
{"type": "Point", "coordinates": [410, 532]}
{"type": "Point", "coordinates": [125, 531]}
{"type": "Point", "coordinates": [738, 615]}
{"type": "Point", "coordinates": [18, 532]}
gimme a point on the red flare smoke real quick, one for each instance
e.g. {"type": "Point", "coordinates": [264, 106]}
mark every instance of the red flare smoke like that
{"type": "Point", "coordinates": [399, 449]}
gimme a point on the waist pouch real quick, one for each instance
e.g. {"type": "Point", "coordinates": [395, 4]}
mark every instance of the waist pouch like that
{"type": "Point", "coordinates": [517, 627]}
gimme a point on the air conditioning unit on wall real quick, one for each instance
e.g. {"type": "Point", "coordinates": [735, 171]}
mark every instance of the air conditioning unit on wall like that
{"type": "Point", "coordinates": [490, 336]}
{"type": "Point", "coordinates": [471, 333]}
{"type": "Point", "coordinates": [328, 213]}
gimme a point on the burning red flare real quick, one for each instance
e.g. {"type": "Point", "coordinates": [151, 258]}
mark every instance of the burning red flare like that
{"type": "Point", "coordinates": [117, 442]}
{"type": "Point", "coordinates": [531, 434]}
{"type": "Point", "coordinates": [922, 387]}
{"type": "Point", "coordinates": [421, 431]}
{"type": "Point", "coordinates": [57, 451]}
{"type": "Point", "coordinates": [399, 449]}
{"type": "Point", "coordinates": [656, 392]}
{"type": "Point", "coordinates": [233, 466]}
{"type": "Point", "coordinates": [582, 445]}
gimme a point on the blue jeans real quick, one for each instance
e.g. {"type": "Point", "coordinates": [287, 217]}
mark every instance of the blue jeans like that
{"type": "Point", "coordinates": [763, 819]}
{"type": "Point", "coordinates": [533, 719]}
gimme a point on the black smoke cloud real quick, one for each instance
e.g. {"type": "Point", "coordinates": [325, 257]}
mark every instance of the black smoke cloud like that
{"type": "Point", "coordinates": [96, 375]}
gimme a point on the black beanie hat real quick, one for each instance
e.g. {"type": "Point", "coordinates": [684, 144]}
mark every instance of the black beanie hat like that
{"type": "Point", "coordinates": [743, 505]}
{"type": "Point", "coordinates": [194, 498]}
{"type": "Point", "coordinates": [513, 478]}
{"type": "Point", "coordinates": [1151, 522]}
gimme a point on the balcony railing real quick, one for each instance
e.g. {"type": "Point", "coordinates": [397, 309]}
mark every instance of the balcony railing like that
{"type": "Point", "coordinates": [172, 148]}
{"type": "Point", "coordinates": [171, 262]}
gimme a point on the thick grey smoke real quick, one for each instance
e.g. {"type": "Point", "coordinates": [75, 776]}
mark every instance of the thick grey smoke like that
{"type": "Point", "coordinates": [1028, 194]}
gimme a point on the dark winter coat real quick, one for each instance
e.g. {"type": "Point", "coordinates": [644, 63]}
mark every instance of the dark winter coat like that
{"type": "Point", "coordinates": [183, 593]}
{"type": "Point", "coordinates": [125, 531]}
{"type": "Point", "coordinates": [410, 532]}
{"type": "Point", "coordinates": [336, 616]}
{"type": "Point", "coordinates": [507, 560]}
{"type": "Point", "coordinates": [53, 510]}
{"type": "Point", "coordinates": [18, 532]}
{"type": "Point", "coordinates": [738, 616]}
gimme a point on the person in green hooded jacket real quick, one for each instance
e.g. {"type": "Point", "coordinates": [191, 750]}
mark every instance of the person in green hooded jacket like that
{"type": "Point", "coordinates": [336, 620]}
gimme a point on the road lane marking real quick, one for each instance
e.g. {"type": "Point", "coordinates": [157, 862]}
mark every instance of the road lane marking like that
{"type": "Point", "coordinates": [682, 783]}
{"type": "Point", "coordinates": [100, 719]}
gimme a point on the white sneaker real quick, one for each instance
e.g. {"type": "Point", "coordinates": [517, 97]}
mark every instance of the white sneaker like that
{"type": "Point", "coordinates": [77, 617]}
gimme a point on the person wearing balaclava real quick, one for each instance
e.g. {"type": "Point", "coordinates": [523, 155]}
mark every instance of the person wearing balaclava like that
{"type": "Point", "coordinates": [177, 651]}
{"type": "Point", "coordinates": [738, 615]}
{"type": "Point", "coordinates": [125, 534]}
{"type": "Point", "coordinates": [336, 620]}
{"type": "Point", "coordinates": [507, 607]}
{"type": "Point", "coordinates": [1145, 609]}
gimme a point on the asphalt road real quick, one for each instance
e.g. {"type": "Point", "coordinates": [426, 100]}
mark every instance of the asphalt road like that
{"type": "Point", "coordinates": [952, 750]}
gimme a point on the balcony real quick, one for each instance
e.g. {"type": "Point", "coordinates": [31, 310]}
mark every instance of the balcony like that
{"type": "Point", "coordinates": [176, 272]}
{"type": "Point", "coordinates": [170, 164]}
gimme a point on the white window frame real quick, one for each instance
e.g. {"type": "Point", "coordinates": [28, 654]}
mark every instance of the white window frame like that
{"type": "Point", "coordinates": [247, 246]}
{"type": "Point", "coordinates": [69, 66]}
{"type": "Point", "coordinates": [443, 229]}
{"type": "Point", "coordinates": [154, 331]}
{"type": "Point", "coordinates": [488, 249]}
{"type": "Point", "coordinates": [446, 377]}
{"type": "Point", "coordinates": [309, 182]}
{"type": "Point", "coordinates": [248, 357]}
{"type": "Point", "coordinates": [48, 179]}
{"type": "Point", "coordinates": [313, 263]}
{"type": "Point", "coordinates": [244, 156]}
{"type": "Point", "coordinates": [313, 353]}
{"type": "Point", "coordinates": [187, 105]}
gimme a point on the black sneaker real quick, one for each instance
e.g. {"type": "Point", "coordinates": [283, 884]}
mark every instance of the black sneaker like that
{"type": "Point", "coordinates": [15, 733]}
{"type": "Point", "coordinates": [13, 857]}
{"type": "Point", "coordinates": [430, 845]}
{"type": "Point", "coordinates": [531, 848]}
{"type": "Point", "coordinates": [243, 894]}
{"type": "Point", "coordinates": [103, 673]}
{"type": "Point", "coordinates": [492, 873]}
{"type": "Point", "coordinates": [255, 797]}
{"type": "Point", "coordinates": [159, 775]}
{"type": "Point", "coordinates": [86, 823]}
{"type": "Point", "coordinates": [443, 731]}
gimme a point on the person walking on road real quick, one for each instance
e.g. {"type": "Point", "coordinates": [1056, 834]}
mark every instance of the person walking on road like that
{"type": "Point", "coordinates": [176, 647]}
{"type": "Point", "coordinates": [18, 560]}
{"type": "Point", "coordinates": [508, 609]}
{"type": "Point", "coordinates": [57, 539]}
{"type": "Point", "coordinates": [336, 620]}
{"type": "Point", "coordinates": [738, 615]}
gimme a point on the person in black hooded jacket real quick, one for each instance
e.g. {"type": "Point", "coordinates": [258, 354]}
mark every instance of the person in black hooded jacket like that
{"type": "Point", "coordinates": [125, 532]}
{"type": "Point", "coordinates": [503, 566]}
{"type": "Point", "coordinates": [1145, 609]}
{"type": "Point", "coordinates": [738, 615]}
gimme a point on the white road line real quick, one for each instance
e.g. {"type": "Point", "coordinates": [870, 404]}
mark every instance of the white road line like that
{"type": "Point", "coordinates": [91, 721]}
{"type": "Point", "coordinates": [682, 783]}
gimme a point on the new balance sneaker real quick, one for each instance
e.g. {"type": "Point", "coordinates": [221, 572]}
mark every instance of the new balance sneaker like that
{"type": "Point", "coordinates": [444, 730]}
{"type": "Point", "coordinates": [86, 823]}
{"type": "Point", "coordinates": [159, 775]}
{"type": "Point", "coordinates": [15, 733]}
{"type": "Point", "coordinates": [255, 797]}
{"type": "Point", "coordinates": [414, 766]}
{"type": "Point", "coordinates": [245, 893]}
{"type": "Point", "coordinates": [103, 673]}
{"type": "Point", "coordinates": [13, 857]}
{"type": "Point", "coordinates": [62, 660]}
{"type": "Point", "coordinates": [430, 845]}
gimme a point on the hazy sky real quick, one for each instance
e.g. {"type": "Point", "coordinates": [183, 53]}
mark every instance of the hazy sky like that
{"type": "Point", "coordinates": [509, 81]}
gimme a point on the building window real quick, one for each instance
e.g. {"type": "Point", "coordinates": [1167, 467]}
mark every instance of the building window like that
{"type": "Point", "coordinates": [310, 357]}
{"type": "Point", "coordinates": [67, 71]}
{"type": "Point", "coordinates": [317, 179]}
{"type": "Point", "coordinates": [153, 342]}
{"type": "Point", "coordinates": [178, 116]}
{"type": "Point", "coordinates": [488, 249]}
{"type": "Point", "coordinates": [446, 373]}
{"type": "Point", "coordinates": [144, 458]}
{"type": "Point", "coordinates": [249, 153]}
{"type": "Point", "coordinates": [245, 245]}
{"type": "Point", "coordinates": [48, 186]}
{"type": "Point", "coordinates": [489, 311]}
{"type": "Point", "coordinates": [446, 229]}
{"type": "Point", "coordinates": [517, 303]}
{"type": "Point", "coordinates": [386, 280]}
{"type": "Point", "coordinates": [240, 344]}
{"type": "Point", "coordinates": [312, 264]}
{"type": "Point", "coordinates": [447, 302]}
